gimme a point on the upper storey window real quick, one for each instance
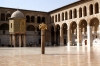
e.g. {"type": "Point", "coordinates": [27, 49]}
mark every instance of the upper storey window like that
{"type": "Point", "coordinates": [43, 19]}
{"type": "Point", "coordinates": [2, 17]}
{"type": "Point", "coordinates": [7, 17]}
{"type": "Point", "coordinates": [70, 14]}
{"type": "Point", "coordinates": [58, 17]}
{"type": "Point", "coordinates": [84, 11]}
{"type": "Point", "coordinates": [38, 19]}
{"type": "Point", "coordinates": [55, 18]}
{"type": "Point", "coordinates": [80, 12]}
{"type": "Point", "coordinates": [32, 19]}
{"type": "Point", "coordinates": [96, 8]}
{"type": "Point", "coordinates": [91, 9]}
{"type": "Point", "coordinates": [62, 16]}
{"type": "Point", "coordinates": [75, 13]}
{"type": "Point", "coordinates": [66, 15]}
{"type": "Point", "coordinates": [27, 18]}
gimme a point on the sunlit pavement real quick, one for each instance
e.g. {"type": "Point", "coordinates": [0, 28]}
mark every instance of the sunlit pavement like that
{"type": "Point", "coordinates": [54, 56]}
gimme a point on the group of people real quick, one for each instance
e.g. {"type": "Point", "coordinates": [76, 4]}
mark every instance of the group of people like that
{"type": "Point", "coordinates": [32, 44]}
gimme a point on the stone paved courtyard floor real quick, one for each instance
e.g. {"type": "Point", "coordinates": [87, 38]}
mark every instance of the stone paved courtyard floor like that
{"type": "Point", "coordinates": [54, 56]}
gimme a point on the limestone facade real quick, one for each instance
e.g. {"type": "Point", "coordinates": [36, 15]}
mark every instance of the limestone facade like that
{"type": "Point", "coordinates": [74, 24]}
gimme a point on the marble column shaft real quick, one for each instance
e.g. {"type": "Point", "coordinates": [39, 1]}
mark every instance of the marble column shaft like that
{"type": "Point", "coordinates": [61, 37]}
{"type": "Point", "coordinates": [69, 37]}
{"type": "Point", "coordinates": [78, 36]}
{"type": "Point", "coordinates": [43, 41]}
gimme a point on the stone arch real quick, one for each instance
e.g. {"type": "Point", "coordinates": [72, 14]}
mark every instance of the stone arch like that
{"type": "Point", "coordinates": [8, 16]}
{"type": "Point", "coordinates": [73, 26]}
{"type": "Point", "coordinates": [84, 11]}
{"type": "Point", "coordinates": [70, 14]}
{"type": "Point", "coordinates": [58, 17]}
{"type": "Point", "coordinates": [83, 25]}
{"type": "Point", "coordinates": [83, 31]}
{"type": "Point", "coordinates": [2, 17]}
{"type": "Point", "coordinates": [75, 13]}
{"type": "Point", "coordinates": [73, 32]}
{"type": "Point", "coordinates": [30, 28]}
{"type": "Point", "coordinates": [80, 12]}
{"type": "Point", "coordinates": [4, 27]}
{"type": "Point", "coordinates": [94, 23]}
{"type": "Point", "coordinates": [32, 19]}
{"type": "Point", "coordinates": [96, 8]}
{"type": "Point", "coordinates": [28, 18]}
{"type": "Point", "coordinates": [62, 16]}
{"type": "Point", "coordinates": [91, 9]}
{"type": "Point", "coordinates": [66, 15]}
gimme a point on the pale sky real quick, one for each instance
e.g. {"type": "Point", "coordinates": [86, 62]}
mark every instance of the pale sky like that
{"type": "Point", "coordinates": [38, 5]}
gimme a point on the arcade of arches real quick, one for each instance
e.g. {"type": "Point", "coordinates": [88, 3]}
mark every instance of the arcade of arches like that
{"type": "Point", "coordinates": [76, 33]}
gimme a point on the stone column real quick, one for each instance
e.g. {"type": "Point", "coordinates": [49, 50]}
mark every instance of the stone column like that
{"type": "Point", "coordinates": [24, 40]}
{"type": "Point", "coordinates": [89, 36]}
{"type": "Point", "coordinates": [20, 40]}
{"type": "Point", "coordinates": [61, 37]}
{"type": "Point", "coordinates": [11, 39]}
{"type": "Point", "coordinates": [79, 36]}
{"type": "Point", "coordinates": [43, 41]}
{"type": "Point", "coordinates": [69, 37]}
{"type": "Point", "coordinates": [43, 27]}
{"type": "Point", "coordinates": [14, 40]}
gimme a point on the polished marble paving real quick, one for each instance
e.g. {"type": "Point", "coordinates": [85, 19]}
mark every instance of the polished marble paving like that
{"type": "Point", "coordinates": [54, 56]}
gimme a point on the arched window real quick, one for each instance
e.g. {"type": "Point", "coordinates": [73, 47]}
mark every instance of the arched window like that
{"type": "Point", "coordinates": [58, 17]}
{"type": "Point", "coordinates": [80, 12]}
{"type": "Point", "coordinates": [75, 13]}
{"type": "Point", "coordinates": [96, 8]}
{"type": "Point", "coordinates": [52, 19]}
{"type": "Point", "coordinates": [27, 18]}
{"type": "Point", "coordinates": [32, 19]}
{"type": "Point", "coordinates": [43, 19]}
{"type": "Point", "coordinates": [91, 9]}
{"type": "Point", "coordinates": [38, 19]}
{"type": "Point", "coordinates": [55, 18]}
{"type": "Point", "coordinates": [70, 14]}
{"type": "Point", "coordinates": [7, 17]}
{"type": "Point", "coordinates": [62, 16]}
{"type": "Point", "coordinates": [2, 17]}
{"type": "Point", "coordinates": [84, 11]}
{"type": "Point", "coordinates": [30, 28]}
{"type": "Point", "coordinates": [66, 15]}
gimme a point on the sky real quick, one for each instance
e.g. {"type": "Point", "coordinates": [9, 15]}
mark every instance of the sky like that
{"type": "Point", "coordinates": [37, 5]}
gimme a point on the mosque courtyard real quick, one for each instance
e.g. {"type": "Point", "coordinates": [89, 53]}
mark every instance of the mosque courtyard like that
{"type": "Point", "coordinates": [54, 56]}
